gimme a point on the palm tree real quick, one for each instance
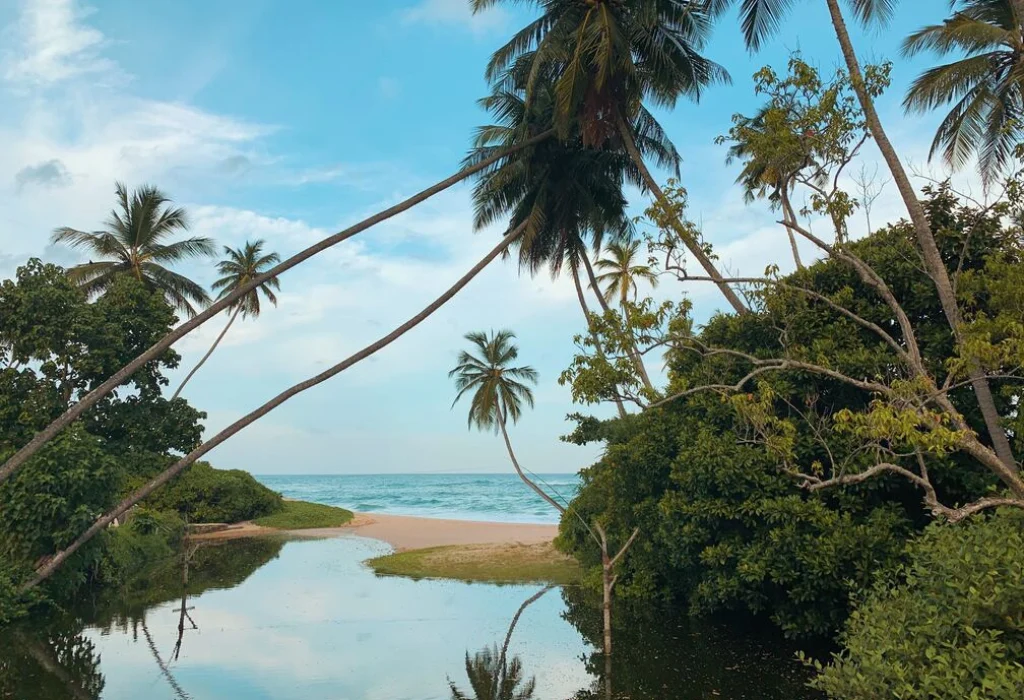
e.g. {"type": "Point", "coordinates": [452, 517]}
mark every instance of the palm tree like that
{"type": "Point", "coordinates": [985, 86]}
{"type": "Point", "coordinates": [499, 390]}
{"type": "Point", "coordinates": [237, 269]}
{"type": "Point", "coordinates": [568, 196]}
{"type": "Point", "coordinates": [620, 274]}
{"type": "Point", "coordinates": [136, 242]}
{"type": "Point", "coordinates": [603, 60]}
{"type": "Point", "coordinates": [760, 18]}
{"type": "Point", "coordinates": [492, 679]}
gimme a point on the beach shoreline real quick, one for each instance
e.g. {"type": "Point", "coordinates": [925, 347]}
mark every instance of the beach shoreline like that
{"type": "Point", "coordinates": [405, 532]}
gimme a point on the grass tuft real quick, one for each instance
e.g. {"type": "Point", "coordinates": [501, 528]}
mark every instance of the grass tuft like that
{"type": "Point", "coordinates": [485, 563]}
{"type": "Point", "coordinates": [299, 515]}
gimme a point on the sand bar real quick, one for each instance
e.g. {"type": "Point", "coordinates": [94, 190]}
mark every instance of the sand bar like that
{"type": "Point", "coordinates": [406, 532]}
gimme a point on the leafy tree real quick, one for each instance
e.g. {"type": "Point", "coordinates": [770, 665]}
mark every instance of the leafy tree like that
{"type": "Point", "coordinates": [237, 269]}
{"type": "Point", "coordinates": [136, 242]}
{"type": "Point", "coordinates": [984, 87]}
{"type": "Point", "coordinates": [957, 605]}
{"type": "Point", "coordinates": [760, 18]}
{"type": "Point", "coordinates": [734, 472]}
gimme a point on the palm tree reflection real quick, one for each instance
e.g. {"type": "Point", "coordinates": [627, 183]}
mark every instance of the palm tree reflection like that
{"type": "Point", "coordinates": [492, 674]}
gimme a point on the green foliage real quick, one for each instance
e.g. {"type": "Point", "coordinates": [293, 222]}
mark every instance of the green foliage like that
{"type": "Point", "coordinates": [950, 625]}
{"type": "Point", "coordinates": [709, 477]}
{"type": "Point", "coordinates": [146, 538]}
{"type": "Point", "coordinates": [54, 497]}
{"type": "Point", "coordinates": [300, 515]}
{"type": "Point", "coordinates": [207, 495]}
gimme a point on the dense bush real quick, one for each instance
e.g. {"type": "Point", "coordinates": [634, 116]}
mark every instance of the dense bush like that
{"type": "Point", "coordinates": [203, 494]}
{"type": "Point", "coordinates": [950, 626]}
{"type": "Point", "coordinates": [146, 538]}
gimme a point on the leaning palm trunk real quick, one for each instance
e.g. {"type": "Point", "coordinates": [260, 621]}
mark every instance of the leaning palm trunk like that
{"type": "Point", "coordinates": [60, 557]}
{"type": "Point", "coordinates": [626, 133]}
{"type": "Point", "coordinates": [234, 315]}
{"type": "Point", "coordinates": [926, 240]}
{"type": "Point", "coordinates": [593, 335]}
{"type": "Point", "coordinates": [123, 374]}
{"type": "Point", "coordinates": [608, 562]}
{"type": "Point", "coordinates": [630, 348]}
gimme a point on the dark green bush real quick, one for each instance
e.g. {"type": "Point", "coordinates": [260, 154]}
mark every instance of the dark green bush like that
{"type": "Point", "coordinates": [950, 626]}
{"type": "Point", "coordinates": [203, 494]}
{"type": "Point", "coordinates": [146, 538]}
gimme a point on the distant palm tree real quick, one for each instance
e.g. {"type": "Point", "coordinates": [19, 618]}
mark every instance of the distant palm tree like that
{"type": "Point", "coordinates": [620, 272]}
{"type": "Point", "coordinates": [490, 679]}
{"type": "Point", "coordinates": [985, 84]}
{"type": "Point", "coordinates": [240, 267]}
{"type": "Point", "coordinates": [135, 242]}
{"type": "Point", "coordinates": [499, 390]}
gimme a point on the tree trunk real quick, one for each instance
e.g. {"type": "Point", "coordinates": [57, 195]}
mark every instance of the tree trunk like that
{"type": "Point", "coordinates": [926, 240]}
{"type": "Point", "coordinates": [593, 336]}
{"type": "Point", "coordinates": [123, 374]}
{"type": "Point", "coordinates": [53, 564]}
{"type": "Point", "coordinates": [512, 626]}
{"type": "Point", "coordinates": [788, 216]}
{"type": "Point", "coordinates": [515, 463]}
{"type": "Point", "coordinates": [234, 315]}
{"type": "Point", "coordinates": [626, 134]}
{"type": "Point", "coordinates": [630, 349]}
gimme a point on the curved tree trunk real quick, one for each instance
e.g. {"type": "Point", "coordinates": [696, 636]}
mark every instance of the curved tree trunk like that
{"type": "Point", "coordinates": [631, 348]}
{"type": "Point", "coordinates": [234, 315]}
{"type": "Point", "coordinates": [512, 626]}
{"type": "Point", "coordinates": [789, 216]}
{"type": "Point", "coordinates": [926, 240]}
{"type": "Point", "coordinates": [123, 374]}
{"type": "Point", "coordinates": [519, 470]}
{"type": "Point", "coordinates": [44, 571]}
{"type": "Point", "coordinates": [626, 133]}
{"type": "Point", "coordinates": [593, 336]}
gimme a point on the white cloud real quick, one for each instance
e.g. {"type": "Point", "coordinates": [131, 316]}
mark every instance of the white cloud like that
{"type": "Point", "coordinates": [456, 13]}
{"type": "Point", "coordinates": [50, 44]}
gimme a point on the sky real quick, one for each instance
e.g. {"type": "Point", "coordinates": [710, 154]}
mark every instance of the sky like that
{"type": "Point", "coordinates": [288, 121]}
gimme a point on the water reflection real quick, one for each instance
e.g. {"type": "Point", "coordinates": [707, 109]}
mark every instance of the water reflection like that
{"type": "Point", "coordinates": [268, 619]}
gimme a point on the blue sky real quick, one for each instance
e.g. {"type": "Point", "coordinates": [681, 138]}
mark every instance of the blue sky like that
{"type": "Point", "coordinates": [286, 121]}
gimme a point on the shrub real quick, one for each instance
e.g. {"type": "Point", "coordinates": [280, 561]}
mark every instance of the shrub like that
{"type": "Point", "coordinates": [951, 625]}
{"type": "Point", "coordinates": [207, 495]}
{"type": "Point", "coordinates": [146, 538]}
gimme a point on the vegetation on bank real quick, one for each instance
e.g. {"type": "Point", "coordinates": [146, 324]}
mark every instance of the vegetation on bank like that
{"type": "Point", "coordinates": [483, 563]}
{"type": "Point", "coordinates": [300, 515]}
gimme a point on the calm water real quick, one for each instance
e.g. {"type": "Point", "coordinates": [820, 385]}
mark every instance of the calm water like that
{"type": "Point", "coordinates": [305, 619]}
{"type": "Point", "coordinates": [496, 497]}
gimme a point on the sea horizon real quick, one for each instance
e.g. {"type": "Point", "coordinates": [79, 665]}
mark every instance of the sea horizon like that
{"type": "Point", "coordinates": [482, 496]}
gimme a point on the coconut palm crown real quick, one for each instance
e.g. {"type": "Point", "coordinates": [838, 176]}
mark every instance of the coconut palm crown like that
{"type": "Point", "coordinates": [498, 389]}
{"type": "Point", "coordinates": [620, 272]}
{"type": "Point", "coordinates": [136, 240]}
{"type": "Point", "coordinates": [985, 85]}
{"type": "Point", "coordinates": [239, 267]}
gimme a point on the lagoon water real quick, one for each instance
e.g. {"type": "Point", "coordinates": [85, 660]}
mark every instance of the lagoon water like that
{"type": "Point", "coordinates": [493, 497]}
{"type": "Point", "coordinates": [272, 619]}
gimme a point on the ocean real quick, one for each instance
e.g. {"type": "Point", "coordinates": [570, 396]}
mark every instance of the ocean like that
{"type": "Point", "coordinates": [488, 497]}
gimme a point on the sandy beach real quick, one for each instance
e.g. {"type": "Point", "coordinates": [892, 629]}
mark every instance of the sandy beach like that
{"type": "Point", "coordinates": [406, 532]}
